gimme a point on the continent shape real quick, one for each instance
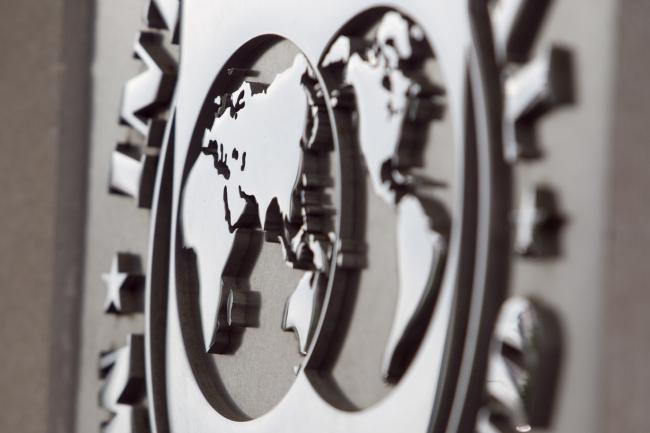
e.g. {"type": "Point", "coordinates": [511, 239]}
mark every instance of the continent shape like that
{"type": "Point", "coordinates": [251, 152]}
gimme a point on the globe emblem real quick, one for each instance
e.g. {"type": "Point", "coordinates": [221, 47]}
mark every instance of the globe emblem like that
{"type": "Point", "coordinates": [263, 173]}
{"type": "Point", "coordinates": [348, 182]}
{"type": "Point", "coordinates": [248, 177]}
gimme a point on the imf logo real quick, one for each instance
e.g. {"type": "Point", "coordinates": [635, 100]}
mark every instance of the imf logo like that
{"type": "Point", "coordinates": [344, 172]}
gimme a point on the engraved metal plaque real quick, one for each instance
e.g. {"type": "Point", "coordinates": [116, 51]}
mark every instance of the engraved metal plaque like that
{"type": "Point", "coordinates": [332, 220]}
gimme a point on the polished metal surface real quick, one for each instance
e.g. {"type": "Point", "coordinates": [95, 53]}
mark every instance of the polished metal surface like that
{"type": "Point", "coordinates": [531, 87]}
{"type": "Point", "coordinates": [284, 133]}
{"type": "Point", "coordinates": [133, 173]}
{"type": "Point", "coordinates": [523, 368]}
{"type": "Point", "coordinates": [258, 168]}
{"type": "Point", "coordinates": [122, 393]}
{"type": "Point", "coordinates": [530, 92]}
{"type": "Point", "coordinates": [124, 285]}
{"type": "Point", "coordinates": [147, 92]}
{"type": "Point", "coordinates": [163, 14]}
{"type": "Point", "coordinates": [390, 106]}
{"type": "Point", "coordinates": [538, 222]}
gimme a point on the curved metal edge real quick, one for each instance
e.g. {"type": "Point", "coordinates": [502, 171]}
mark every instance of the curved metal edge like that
{"type": "Point", "coordinates": [493, 231]}
{"type": "Point", "coordinates": [156, 303]}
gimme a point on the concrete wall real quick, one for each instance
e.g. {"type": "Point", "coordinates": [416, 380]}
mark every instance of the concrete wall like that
{"type": "Point", "coordinates": [43, 89]}
{"type": "Point", "coordinates": [625, 377]}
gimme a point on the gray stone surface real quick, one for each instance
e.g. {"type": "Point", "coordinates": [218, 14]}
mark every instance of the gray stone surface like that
{"type": "Point", "coordinates": [28, 178]}
{"type": "Point", "coordinates": [625, 378]}
{"type": "Point", "coordinates": [43, 78]}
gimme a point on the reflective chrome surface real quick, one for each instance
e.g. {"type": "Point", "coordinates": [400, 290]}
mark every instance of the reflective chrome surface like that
{"type": "Point", "coordinates": [419, 390]}
{"type": "Point", "coordinates": [284, 132]}
{"type": "Point", "coordinates": [123, 391]}
{"type": "Point", "coordinates": [523, 368]}
{"type": "Point", "coordinates": [124, 285]}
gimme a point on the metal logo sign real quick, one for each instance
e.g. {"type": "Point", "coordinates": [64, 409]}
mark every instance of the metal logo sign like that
{"type": "Point", "coordinates": [342, 171]}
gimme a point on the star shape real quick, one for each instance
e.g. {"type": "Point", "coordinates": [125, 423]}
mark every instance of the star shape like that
{"type": "Point", "coordinates": [124, 285]}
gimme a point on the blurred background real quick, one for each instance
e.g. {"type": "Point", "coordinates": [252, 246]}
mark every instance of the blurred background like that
{"type": "Point", "coordinates": [62, 67]}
